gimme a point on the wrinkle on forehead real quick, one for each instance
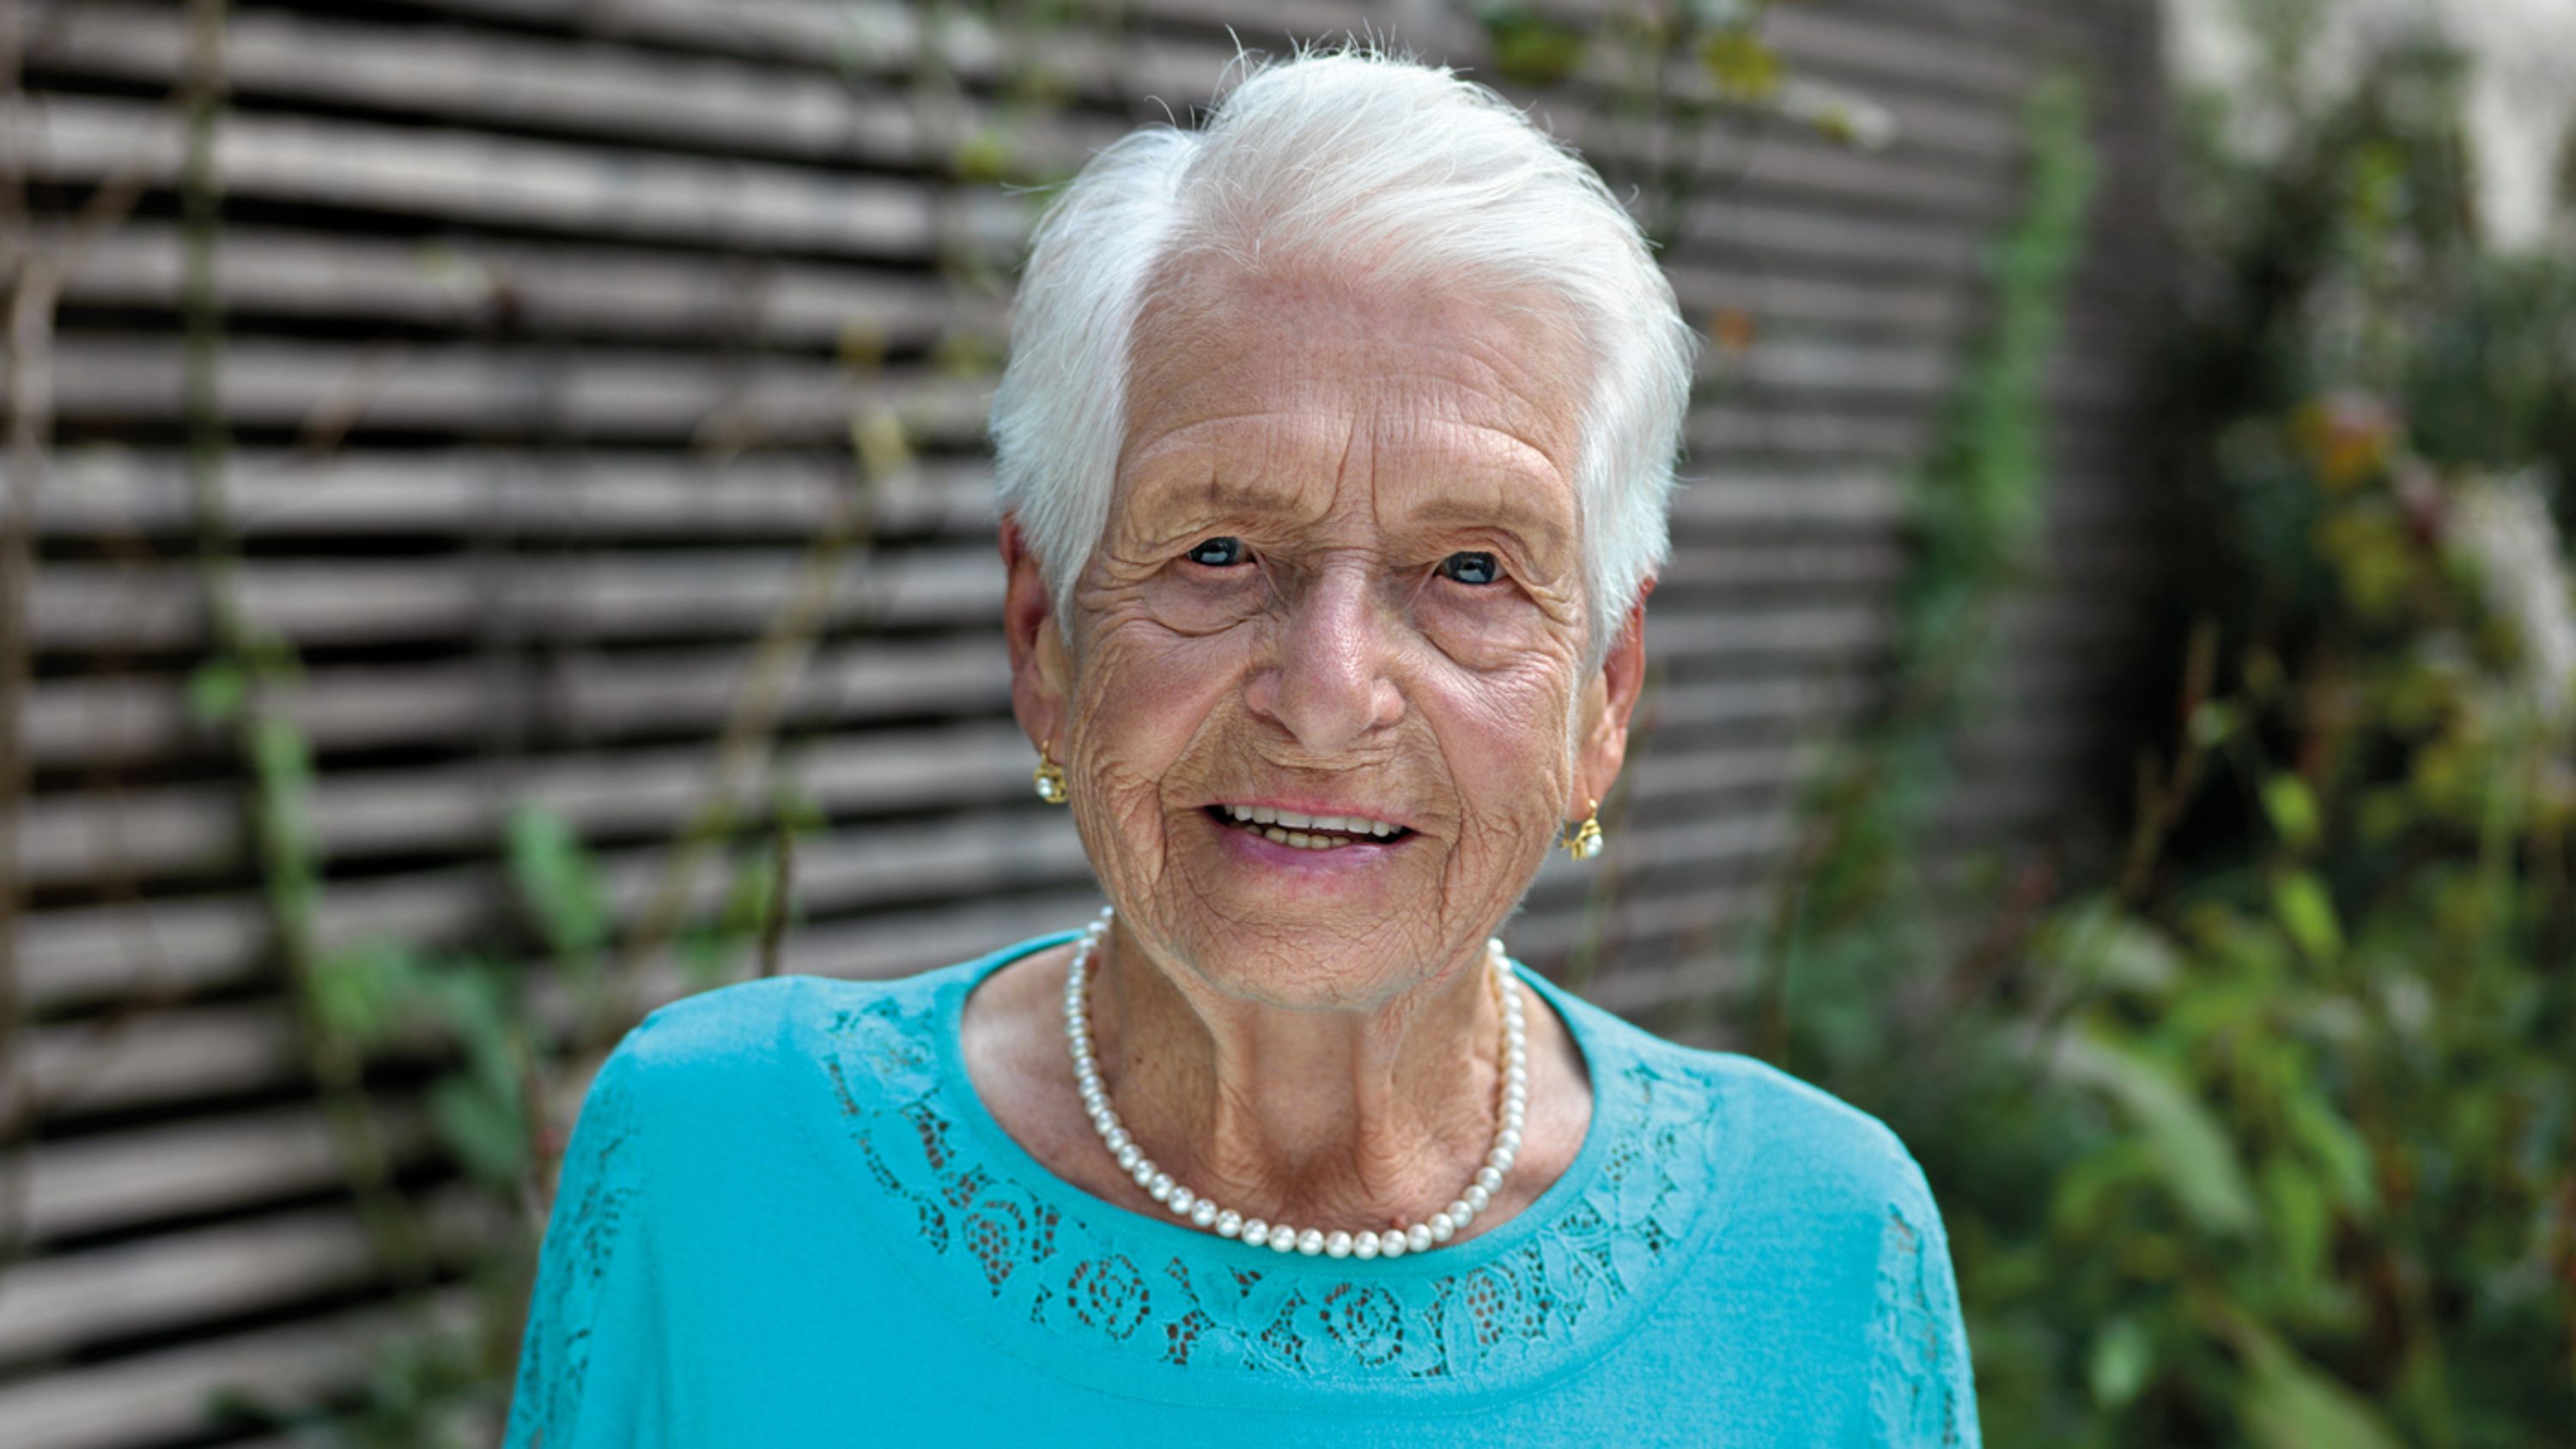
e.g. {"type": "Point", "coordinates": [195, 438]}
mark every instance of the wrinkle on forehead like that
{"type": "Point", "coordinates": [1272, 392]}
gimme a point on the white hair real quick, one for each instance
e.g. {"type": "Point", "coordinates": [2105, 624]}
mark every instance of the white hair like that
{"type": "Point", "coordinates": [1359, 164]}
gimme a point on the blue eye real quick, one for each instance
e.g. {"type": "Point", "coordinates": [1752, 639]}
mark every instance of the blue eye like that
{"type": "Point", "coordinates": [1217, 553]}
{"type": "Point", "coordinates": [1471, 568]}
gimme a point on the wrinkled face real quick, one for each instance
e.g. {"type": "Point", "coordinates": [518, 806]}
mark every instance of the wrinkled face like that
{"type": "Point", "coordinates": [1339, 593]}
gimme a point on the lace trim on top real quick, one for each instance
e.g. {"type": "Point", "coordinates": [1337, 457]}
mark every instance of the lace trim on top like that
{"type": "Point", "coordinates": [1518, 1301]}
{"type": "Point", "coordinates": [596, 1212]}
{"type": "Point", "coordinates": [1915, 1383]}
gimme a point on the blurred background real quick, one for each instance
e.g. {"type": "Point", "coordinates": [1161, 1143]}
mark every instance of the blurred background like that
{"type": "Point", "coordinates": [498, 536]}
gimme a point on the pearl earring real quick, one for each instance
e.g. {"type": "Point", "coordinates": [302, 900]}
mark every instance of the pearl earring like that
{"type": "Point", "coordinates": [1050, 778]}
{"type": "Point", "coordinates": [1582, 842]}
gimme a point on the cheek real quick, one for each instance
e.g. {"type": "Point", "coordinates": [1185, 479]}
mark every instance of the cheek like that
{"type": "Point", "coordinates": [1142, 696]}
{"type": "Point", "coordinates": [1505, 737]}
{"type": "Point", "coordinates": [1493, 631]}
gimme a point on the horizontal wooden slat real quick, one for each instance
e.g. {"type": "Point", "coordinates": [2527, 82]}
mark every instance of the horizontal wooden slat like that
{"type": "Point", "coordinates": [121, 1180]}
{"type": "Point", "coordinates": [590, 495]}
{"type": "Point", "coordinates": [165, 1395]}
{"type": "Point", "coordinates": [685, 397]}
{"type": "Point", "coordinates": [596, 696]}
{"type": "Point", "coordinates": [160, 1057]}
{"type": "Point", "coordinates": [459, 73]}
{"type": "Point", "coordinates": [179, 1278]}
{"type": "Point", "coordinates": [547, 290]}
{"type": "Point", "coordinates": [506, 181]}
{"type": "Point", "coordinates": [588, 597]}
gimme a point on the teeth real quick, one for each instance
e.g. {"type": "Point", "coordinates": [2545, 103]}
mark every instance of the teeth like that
{"type": "Point", "coordinates": [1289, 822]}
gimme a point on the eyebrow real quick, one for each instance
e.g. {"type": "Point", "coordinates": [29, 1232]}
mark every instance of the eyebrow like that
{"type": "Point", "coordinates": [1513, 515]}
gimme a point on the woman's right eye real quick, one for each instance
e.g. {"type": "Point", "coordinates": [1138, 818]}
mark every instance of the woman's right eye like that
{"type": "Point", "coordinates": [1217, 553]}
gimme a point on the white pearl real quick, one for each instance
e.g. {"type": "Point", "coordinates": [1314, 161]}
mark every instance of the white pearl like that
{"type": "Point", "coordinates": [1390, 1243]}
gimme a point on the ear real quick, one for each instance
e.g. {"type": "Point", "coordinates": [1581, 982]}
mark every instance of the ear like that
{"type": "Point", "coordinates": [1039, 672]}
{"type": "Point", "coordinates": [1610, 700]}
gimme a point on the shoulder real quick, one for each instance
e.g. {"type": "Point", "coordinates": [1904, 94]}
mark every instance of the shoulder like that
{"type": "Point", "coordinates": [738, 1047]}
{"type": "Point", "coordinates": [1782, 1140]}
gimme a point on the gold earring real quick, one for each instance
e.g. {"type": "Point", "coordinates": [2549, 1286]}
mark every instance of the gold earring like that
{"type": "Point", "coordinates": [1582, 842]}
{"type": "Point", "coordinates": [1050, 778]}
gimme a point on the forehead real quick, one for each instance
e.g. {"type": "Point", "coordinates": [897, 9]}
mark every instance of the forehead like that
{"type": "Point", "coordinates": [1243, 379]}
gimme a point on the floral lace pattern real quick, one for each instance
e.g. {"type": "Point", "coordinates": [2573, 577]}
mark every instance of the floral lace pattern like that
{"type": "Point", "coordinates": [596, 1208]}
{"type": "Point", "coordinates": [1914, 1379]}
{"type": "Point", "coordinates": [1095, 1276]}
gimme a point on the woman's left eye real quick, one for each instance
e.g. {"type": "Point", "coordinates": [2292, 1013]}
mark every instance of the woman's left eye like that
{"type": "Point", "coordinates": [1217, 553]}
{"type": "Point", "coordinates": [1471, 568]}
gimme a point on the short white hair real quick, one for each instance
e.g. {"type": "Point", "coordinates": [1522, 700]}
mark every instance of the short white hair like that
{"type": "Point", "coordinates": [1357, 163]}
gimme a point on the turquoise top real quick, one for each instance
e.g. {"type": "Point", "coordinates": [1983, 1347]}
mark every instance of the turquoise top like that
{"type": "Point", "coordinates": [786, 1219]}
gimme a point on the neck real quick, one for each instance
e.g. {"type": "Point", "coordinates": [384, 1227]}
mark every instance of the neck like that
{"type": "Point", "coordinates": [1353, 1117]}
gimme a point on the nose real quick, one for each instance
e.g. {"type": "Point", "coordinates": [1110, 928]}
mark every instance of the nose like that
{"type": "Point", "coordinates": [1328, 684]}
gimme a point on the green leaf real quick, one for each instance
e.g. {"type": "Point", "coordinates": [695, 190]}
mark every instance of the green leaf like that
{"type": "Point", "coordinates": [2298, 1218]}
{"type": "Point", "coordinates": [558, 881]}
{"type": "Point", "coordinates": [2337, 1148]}
{"type": "Point", "coordinates": [2299, 899]}
{"type": "Point", "coordinates": [2293, 808]}
{"type": "Point", "coordinates": [2290, 1405]}
{"type": "Point", "coordinates": [2212, 721]}
{"type": "Point", "coordinates": [2200, 1167]}
{"type": "Point", "coordinates": [1529, 48]}
{"type": "Point", "coordinates": [2096, 940]}
{"type": "Point", "coordinates": [217, 690]}
{"type": "Point", "coordinates": [1744, 67]}
{"type": "Point", "coordinates": [2123, 1356]}
{"type": "Point", "coordinates": [484, 1130]}
{"type": "Point", "coordinates": [356, 991]}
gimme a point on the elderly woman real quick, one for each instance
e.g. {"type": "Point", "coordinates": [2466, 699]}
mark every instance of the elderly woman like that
{"type": "Point", "coordinates": [1334, 451]}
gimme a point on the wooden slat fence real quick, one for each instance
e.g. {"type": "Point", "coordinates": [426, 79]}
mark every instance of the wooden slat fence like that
{"type": "Point", "coordinates": [547, 324]}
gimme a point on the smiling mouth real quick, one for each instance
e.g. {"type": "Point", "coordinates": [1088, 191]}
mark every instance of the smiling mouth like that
{"type": "Point", "coordinates": [1307, 832]}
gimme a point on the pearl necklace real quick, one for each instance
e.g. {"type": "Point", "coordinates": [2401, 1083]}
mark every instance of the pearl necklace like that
{"type": "Point", "coordinates": [1280, 1237]}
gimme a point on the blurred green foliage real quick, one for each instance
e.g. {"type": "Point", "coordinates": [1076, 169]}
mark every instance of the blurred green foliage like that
{"type": "Point", "coordinates": [2267, 1135]}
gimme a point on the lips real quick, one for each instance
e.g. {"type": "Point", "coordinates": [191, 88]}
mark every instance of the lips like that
{"type": "Point", "coordinates": [1301, 831]}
